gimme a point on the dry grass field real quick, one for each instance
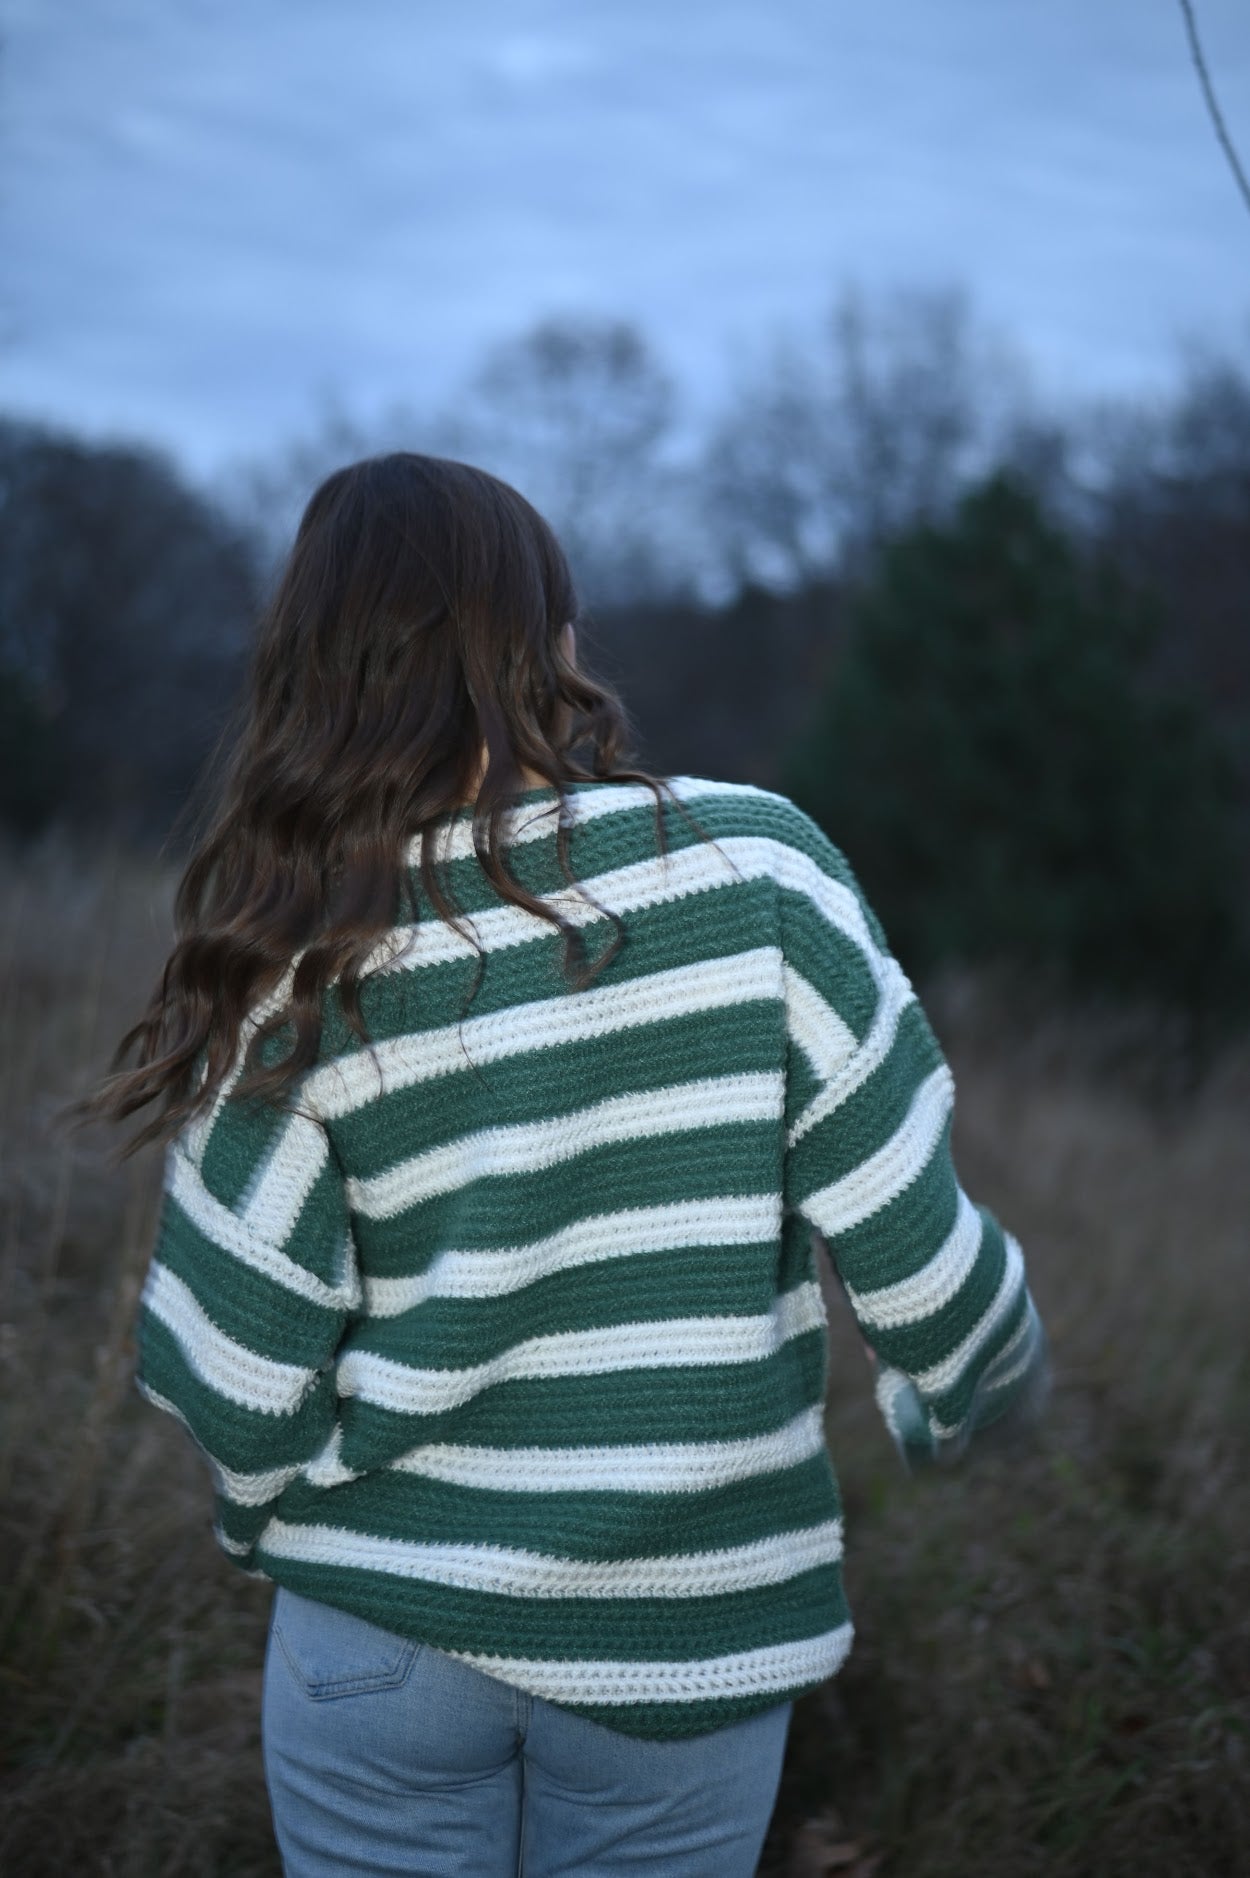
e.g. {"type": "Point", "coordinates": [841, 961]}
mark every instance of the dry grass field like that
{"type": "Point", "coordinates": [1052, 1668]}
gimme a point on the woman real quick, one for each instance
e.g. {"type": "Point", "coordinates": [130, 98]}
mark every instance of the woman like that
{"type": "Point", "coordinates": [502, 1087]}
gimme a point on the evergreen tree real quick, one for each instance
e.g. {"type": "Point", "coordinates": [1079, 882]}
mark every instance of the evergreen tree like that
{"type": "Point", "coordinates": [28, 786]}
{"type": "Point", "coordinates": [1005, 777]}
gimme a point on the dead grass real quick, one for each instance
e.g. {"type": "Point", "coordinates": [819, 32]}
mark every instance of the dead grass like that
{"type": "Point", "coordinates": [1052, 1667]}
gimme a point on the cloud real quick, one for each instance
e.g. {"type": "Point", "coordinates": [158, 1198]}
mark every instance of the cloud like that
{"type": "Point", "coordinates": [213, 216]}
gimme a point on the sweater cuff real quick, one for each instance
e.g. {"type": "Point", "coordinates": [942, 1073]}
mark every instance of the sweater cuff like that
{"type": "Point", "coordinates": [904, 1415]}
{"type": "Point", "coordinates": [1001, 1412]}
{"type": "Point", "coordinates": [238, 1528]}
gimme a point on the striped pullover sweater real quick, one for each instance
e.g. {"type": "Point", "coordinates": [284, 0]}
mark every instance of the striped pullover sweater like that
{"type": "Point", "coordinates": [511, 1338]}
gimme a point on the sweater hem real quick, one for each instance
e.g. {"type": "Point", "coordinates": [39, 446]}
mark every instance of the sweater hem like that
{"type": "Point", "coordinates": [653, 1697]}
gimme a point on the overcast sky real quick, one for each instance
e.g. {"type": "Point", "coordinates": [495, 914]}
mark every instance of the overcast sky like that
{"type": "Point", "coordinates": [215, 215]}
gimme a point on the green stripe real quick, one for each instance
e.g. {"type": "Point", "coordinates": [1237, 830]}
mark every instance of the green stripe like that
{"type": "Point", "coordinates": [902, 1236]}
{"type": "Point", "coordinates": [690, 1281]}
{"type": "Point", "coordinates": [953, 1404]}
{"type": "Point", "coordinates": [802, 1083]}
{"type": "Point", "coordinates": [565, 1629]}
{"type": "Point", "coordinates": [243, 1524]}
{"type": "Point", "coordinates": [318, 1240]}
{"type": "Point", "coordinates": [698, 1164]}
{"type": "Point", "coordinates": [248, 1306]}
{"type": "Point", "coordinates": [866, 1119]}
{"type": "Point", "coordinates": [829, 959]}
{"type": "Point", "coordinates": [713, 1402]}
{"type": "Point", "coordinates": [562, 1080]}
{"type": "Point", "coordinates": [245, 1440]}
{"type": "Point", "coordinates": [796, 1256]}
{"type": "Point", "coordinates": [738, 916]}
{"type": "Point", "coordinates": [585, 1524]}
{"type": "Point", "coordinates": [917, 1347]}
{"type": "Point", "coordinates": [240, 1141]}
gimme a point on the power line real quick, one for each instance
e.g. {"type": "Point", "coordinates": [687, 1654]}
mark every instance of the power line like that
{"type": "Point", "coordinates": [1217, 117]}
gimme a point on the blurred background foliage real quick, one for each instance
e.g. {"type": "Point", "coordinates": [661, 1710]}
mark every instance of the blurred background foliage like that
{"type": "Point", "coordinates": [994, 749]}
{"type": "Point", "coordinates": [1003, 656]}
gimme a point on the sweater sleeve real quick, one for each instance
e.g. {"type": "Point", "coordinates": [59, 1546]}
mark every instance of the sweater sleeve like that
{"type": "Point", "coordinates": [252, 1280]}
{"type": "Point", "coordinates": [937, 1285]}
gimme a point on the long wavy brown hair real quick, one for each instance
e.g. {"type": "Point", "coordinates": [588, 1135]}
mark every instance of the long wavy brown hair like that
{"type": "Point", "coordinates": [417, 632]}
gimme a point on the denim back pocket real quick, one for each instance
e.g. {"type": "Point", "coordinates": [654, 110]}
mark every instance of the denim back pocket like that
{"type": "Point", "coordinates": [332, 1653]}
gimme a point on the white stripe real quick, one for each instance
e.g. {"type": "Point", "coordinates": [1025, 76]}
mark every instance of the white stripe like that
{"type": "Point", "coordinates": [253, 1489]}
{"type": "Point", "coordinates": [883, 1175]}
{"type": "Point", "coordinates": [896, 993]}
{"type": "Point", "coordinates": [242, 1489]}
{"type": "Point", "coordinates": [891, 1388]}
{"type": "Point", "coordinates": [934, 1285]}
{"type": "Point", "coordinates": [279, 1187]}
{"type": "Point", "coordinates": [825, 1039]}
{"type": "Point", "coordinates": [640, 884]}
{"type": "Point", "coordinates": [231, 1233]}
{"type": "Point", "coordinates": [511, 1572]}
{"type": "Point", "coordinates": [944, 1375]}
{"type": "Point", "coordinates": [545, 1023]}
{"type": "Point", "coordinates": [527, 1147]}
{"type": "Point", "coordinates": [234, 1371]}
{"type": "Point", "coordinates": [327, 1468]}
{"type": "Point", "coordinates": [668, 1343]}
{"type": "Point", "coordinates": [530, 821]}
{"type": "Point", "coordinates": [745, 1219]}
{"type": "Point", "coordinates": [771, 1669]}
{"type": "Point", "coordinates": [235, 1547]}
{"type": "Point", "coordinates": [193, 1137]}
{"type": "Point", "coordinates": [656, 1467]}
{"type": "Point", "coordinates": [646, 1467]}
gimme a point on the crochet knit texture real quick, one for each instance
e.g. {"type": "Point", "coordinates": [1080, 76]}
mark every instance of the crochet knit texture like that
{"type": "Point", "coordinates": [513, 1341]}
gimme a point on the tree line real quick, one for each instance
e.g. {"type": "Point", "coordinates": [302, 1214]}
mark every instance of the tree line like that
{"type": "Point", "coordinates": [1003, 655]}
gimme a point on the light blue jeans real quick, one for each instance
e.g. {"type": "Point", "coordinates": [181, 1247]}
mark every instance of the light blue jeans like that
{"type": "Point", "coordinates": [386, 1755]}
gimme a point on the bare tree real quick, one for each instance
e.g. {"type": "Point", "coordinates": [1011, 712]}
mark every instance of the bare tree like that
{"type": "Point", "coordinates": [126, 601]}
{"type": "Point", "coordinates": [830, 447]}
{"type": "Point", "coordinates": [1172, 504]}
{"type": "Point", "coordinates": [1213, 105]}
{"type": "Point", "coordinates": [577, 412]}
